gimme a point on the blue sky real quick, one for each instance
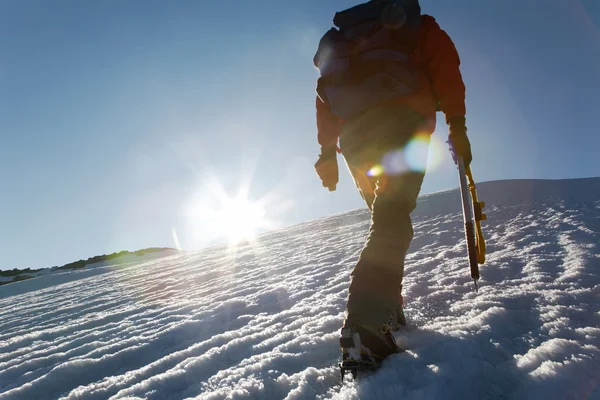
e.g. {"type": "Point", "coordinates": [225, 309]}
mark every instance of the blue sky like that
{"type": "Point", "coordinates": [118, 117]}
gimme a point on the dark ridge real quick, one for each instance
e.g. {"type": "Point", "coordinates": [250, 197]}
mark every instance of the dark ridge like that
{"type": "Point", "coordinates": [15, 271]}
{"type": "Point", "coordinates": [105, 257]}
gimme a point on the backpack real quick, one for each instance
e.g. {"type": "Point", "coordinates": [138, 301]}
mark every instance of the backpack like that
{"type": "Point", "coordinates": [365, 60]}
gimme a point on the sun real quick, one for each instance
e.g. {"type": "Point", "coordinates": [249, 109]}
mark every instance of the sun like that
{"type": "Point", "coordinates": [240, 220]}
{"type": "Point", "coordinates": [218, 216]}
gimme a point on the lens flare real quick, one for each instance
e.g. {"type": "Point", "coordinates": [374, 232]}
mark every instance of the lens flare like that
{"type": "Point", "coordinates": [176, 239]}
{"type": "Point", "coordinates": [437, 152]}
{"type": "Point", "coordinates": [416, 152]}
{"type": "Point", "coordinates": [394, 162]}
{"type": "Point", "coordinates": [413, 157]}
{"type": "Point", "coordinates": [376, 170]}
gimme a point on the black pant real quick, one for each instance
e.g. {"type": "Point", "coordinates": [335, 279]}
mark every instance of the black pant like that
{"type": "Point", "coordinates": [376, 148]}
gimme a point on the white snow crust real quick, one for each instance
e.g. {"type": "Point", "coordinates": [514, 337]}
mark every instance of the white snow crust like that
{"type": "Point", "coordinates": [262, 321]}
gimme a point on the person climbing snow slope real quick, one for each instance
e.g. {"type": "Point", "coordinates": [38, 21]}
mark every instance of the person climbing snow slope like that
{"type": "Point", "coordinates": [385, 69]}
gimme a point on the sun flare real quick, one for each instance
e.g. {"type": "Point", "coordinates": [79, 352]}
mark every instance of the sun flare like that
{"type": "Point", "coordinates": [235, 218]}
{"type": "Point", "coordinates": [240, 220]}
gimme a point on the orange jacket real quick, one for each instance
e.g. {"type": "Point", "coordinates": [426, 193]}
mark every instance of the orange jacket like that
{"type": "Point", "coordinates": [440, 82]}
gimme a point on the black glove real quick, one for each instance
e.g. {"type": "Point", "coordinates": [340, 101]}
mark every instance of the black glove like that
{"type": "Point", "coordinates": [459, 142]}
{"type": "Point", "coordinates": [327, 167]}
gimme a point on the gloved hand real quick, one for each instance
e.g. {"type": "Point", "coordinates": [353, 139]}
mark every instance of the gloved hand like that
{"type": "Point", "coordinates": [327, 167]}
{"type": "Point", "coordinates": [458, 141]}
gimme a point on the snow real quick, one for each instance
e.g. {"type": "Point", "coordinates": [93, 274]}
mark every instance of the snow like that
{"type": "Point", "coordinates": [262, 321]}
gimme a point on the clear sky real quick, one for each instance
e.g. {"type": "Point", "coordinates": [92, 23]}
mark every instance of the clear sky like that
{"type": "Point", "coordinates": [119, 118]}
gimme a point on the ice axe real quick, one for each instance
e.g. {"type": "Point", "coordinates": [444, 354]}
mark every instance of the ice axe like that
{"type": "Point", "coordinates": [473, 215]}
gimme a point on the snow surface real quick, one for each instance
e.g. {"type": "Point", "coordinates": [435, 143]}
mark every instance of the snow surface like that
{"type": "Point", "coordinates": [262, 322]}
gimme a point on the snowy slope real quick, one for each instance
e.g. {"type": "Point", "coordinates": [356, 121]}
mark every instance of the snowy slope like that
{"type": "Point", "coordinates": [263, 322]}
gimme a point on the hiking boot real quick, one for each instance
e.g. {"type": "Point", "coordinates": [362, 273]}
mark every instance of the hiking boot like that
{"type": "Point", "coordinates": [397, 320]}
{"type": "Point", "coordinates": [366, 345]}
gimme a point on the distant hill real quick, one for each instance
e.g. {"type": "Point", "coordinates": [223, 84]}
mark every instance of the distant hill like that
{"type": "Point", "coordinates": [106, 257]}
{"type": "Point", "coordinates": [15, 272]}
{"type": "Point", "coordinates": [16, 275]}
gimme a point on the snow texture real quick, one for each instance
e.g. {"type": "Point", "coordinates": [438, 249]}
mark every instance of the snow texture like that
{"type": "Point", "coordinates": [263, 321]}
